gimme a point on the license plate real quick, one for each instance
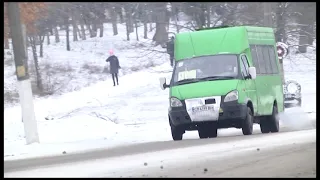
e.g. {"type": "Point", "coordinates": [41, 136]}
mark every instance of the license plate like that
{"type": "Point", "coordinates": [202, 109]}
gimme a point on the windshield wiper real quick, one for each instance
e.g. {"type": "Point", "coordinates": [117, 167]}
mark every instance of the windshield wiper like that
{"type": "Point", "coordinates": [211, 78]}
{"type": "Point", "coordinates": [186, 81]}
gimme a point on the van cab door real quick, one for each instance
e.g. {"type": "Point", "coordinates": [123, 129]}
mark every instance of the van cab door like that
{"type": "Point", "coordinates": [250, 87]}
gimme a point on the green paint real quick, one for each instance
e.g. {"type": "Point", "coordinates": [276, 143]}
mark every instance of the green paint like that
{"type": "Point", "coordinates": [261, 92]}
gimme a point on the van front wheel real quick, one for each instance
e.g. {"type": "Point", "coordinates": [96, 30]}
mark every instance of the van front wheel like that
{"type": "Point", "coordinates": [177, 133]}
{"type": "Point", "coordinates": [247, 123]}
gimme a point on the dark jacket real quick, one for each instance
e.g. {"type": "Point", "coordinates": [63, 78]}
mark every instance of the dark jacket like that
{"type": "Point", "coordinates": [170, 47]}
{"type": "Point", "coordinates": [114, 64]}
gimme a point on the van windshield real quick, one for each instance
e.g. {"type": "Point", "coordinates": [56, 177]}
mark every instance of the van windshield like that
{"type": "Point", "coordinates": [206, 68]}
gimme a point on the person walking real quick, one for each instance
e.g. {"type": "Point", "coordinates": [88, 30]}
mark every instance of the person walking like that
{"type": "Point", "coordinates": [114, 67]}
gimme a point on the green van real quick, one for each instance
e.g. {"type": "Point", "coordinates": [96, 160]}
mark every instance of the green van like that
{"type": "Point", "coordinates": [222, 78]}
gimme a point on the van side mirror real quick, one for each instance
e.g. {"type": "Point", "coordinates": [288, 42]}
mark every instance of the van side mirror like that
{"type": "Point", "coordinates": [253, 72]}
{"type": "Point", "coordinates": [163, 84]}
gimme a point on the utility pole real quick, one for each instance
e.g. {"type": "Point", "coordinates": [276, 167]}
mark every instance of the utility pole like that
{"type": "Point", "coordinates": [267, 12]}
{"type": "Point", "coordinates": [24, 33]}
{"type": "Point", "coordinates": [24, 84]}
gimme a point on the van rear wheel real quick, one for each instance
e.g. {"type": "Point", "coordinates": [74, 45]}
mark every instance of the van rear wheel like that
{"type": "Point", "coordinates": [274, 120]}
{"type": "Point", "coordinates": [247, 123]}
{"type": "Point", "coordinates": [270, 123]}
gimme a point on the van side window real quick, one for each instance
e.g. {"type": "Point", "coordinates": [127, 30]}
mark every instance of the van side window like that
{"type": "Point", "coordinates": [266, 59]}
{"type": "Point", "coordinates": [273, 60]}
{"type": "Point", "coordinates": [262, 63]}
{"type": "Point", "coordinates": [244, 66]}
{"type": "Point", "coordinates": [254, 56]}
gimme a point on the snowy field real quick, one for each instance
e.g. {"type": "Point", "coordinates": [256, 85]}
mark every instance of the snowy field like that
{"type": "Point", "coordinates": [98, 115]}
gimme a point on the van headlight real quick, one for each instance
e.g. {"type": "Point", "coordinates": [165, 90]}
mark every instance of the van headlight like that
{"type": "Point", "coordinates": [231, 96]}
{"type": "Point", "coordinates": [175, 102]}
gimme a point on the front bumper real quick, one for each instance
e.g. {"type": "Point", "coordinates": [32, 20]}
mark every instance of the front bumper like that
{"type": "Point", "coordinates": [231, 116]}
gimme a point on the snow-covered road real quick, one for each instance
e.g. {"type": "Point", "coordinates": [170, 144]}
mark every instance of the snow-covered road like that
{"type": "Point", "coordinates": [284, 154]}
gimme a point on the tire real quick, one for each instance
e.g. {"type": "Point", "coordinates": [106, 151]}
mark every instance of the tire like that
{"type": "Point", "coordinates": [208, 132]}
{"type": "Point", "coordinates": [274, 120]}
{"type": "Point", "coordinates": [177, 133]}
{"type": "Point", "coordinates": [247, 123]}
{"type": "Point", "coordinates": [264, 125]}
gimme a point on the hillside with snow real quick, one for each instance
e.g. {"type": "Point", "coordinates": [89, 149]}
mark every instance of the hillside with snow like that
{"type": "Point", "coordinates": [66, 71]}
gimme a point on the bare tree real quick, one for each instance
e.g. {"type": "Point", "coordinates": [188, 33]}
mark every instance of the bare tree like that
{"type": "Point", "coordinates": [32, 41]}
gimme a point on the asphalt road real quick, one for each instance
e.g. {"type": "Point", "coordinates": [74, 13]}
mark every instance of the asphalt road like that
{"type": "Point", "coordinates": [294, 159]}
{"type": "Point", "coordinates": [285, 161]}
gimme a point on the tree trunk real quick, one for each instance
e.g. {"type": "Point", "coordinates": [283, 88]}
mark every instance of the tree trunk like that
{"type": "Point", "coordinates": [51, 30]}
{"type": "Point", "coordinates": [94, 29]}
{"type": "Point", "coordinates": [114, 22]}
{"type": "Point", "coordinates": [176, 23]}
{"type": "Point", "coordinates": [127, 30]}
{"type": "Point", "coordinates": [48, 38]}
{"type": "Point", "coordinates": [120, 15]}
{"type": "Point", "coordinates": [36, 63]}
{"type": "Point", "coordinates": [208, 16]}
{"type": "Point", "coordinates": [161, 35]}
{"type": "Point", "coordinates": [145, 30]}
{"type": "Point", "coordinates": [41, 38]}
{"type": "Point", "coordinates": [67, 34]}
{"type": "Point", "coordinates": [202, 16]}
{"type": "Point", "coordinates": [311, 34]}
{"type": "Point", "coordinates": [56, 34]}
{"type": "Point", "coordinates": [303, 40]}
{"type": "Point", "coordinates": [137, 35]}
{"type": "Point", "coordinates": [83, 31]}
{"type": "Point", "coordinates": [101, 29]}
{"type": "Point", "coordinates": [79, 33]}
{"type": "Point", "coordinates": [130, 20]}
{"type": "Point", "coordinates": [6, 43]}
{"type": "Point", "coordinates": [280, 32]}
{"type": "Point", "coordinates": [74, 28]}
{"type": "Point", "coordinates": [150, 27]}
{"type": "Point", "coordinates": [90, 30]}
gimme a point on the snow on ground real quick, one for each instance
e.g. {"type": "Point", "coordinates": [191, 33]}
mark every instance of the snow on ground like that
{"type": "Point", "coordinates": [101, 115]}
